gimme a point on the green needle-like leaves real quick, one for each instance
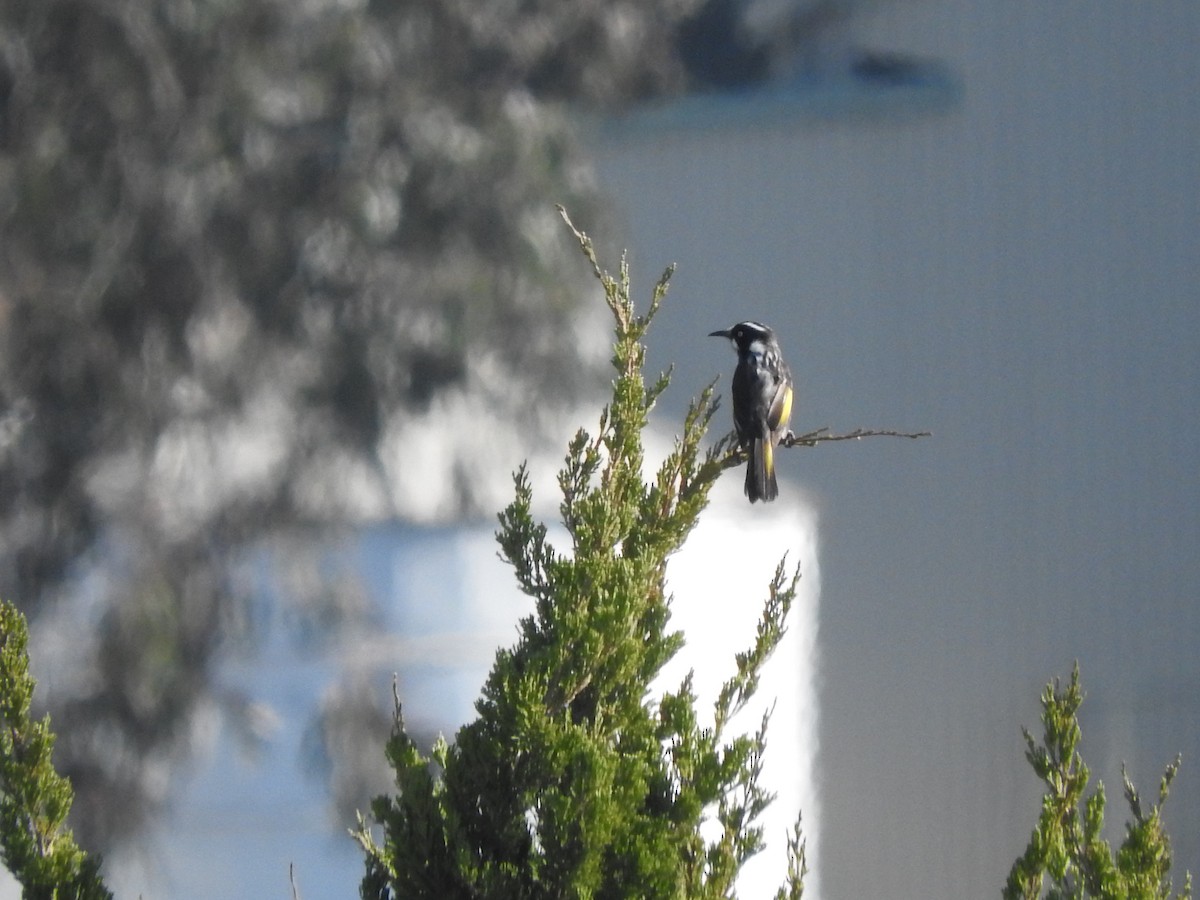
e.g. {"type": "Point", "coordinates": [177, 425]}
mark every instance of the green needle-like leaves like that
{"type": "Point", "coordinates": [1066, 852]}
{"type": "Point", "coordinates": [574, 781]}
{"type": "Point", "coordinates": [37, 848]}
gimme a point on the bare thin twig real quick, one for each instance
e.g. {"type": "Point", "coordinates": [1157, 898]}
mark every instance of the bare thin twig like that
{"type": "Point", "coordinates": [812, 438]}
{"type": "Point", "coordinates": [728, 452]}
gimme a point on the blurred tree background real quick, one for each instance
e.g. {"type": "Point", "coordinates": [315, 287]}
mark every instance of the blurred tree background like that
{"type": "Point", "coordinates": [270, 269]}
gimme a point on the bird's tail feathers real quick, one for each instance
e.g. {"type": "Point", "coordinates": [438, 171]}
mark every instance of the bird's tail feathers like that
{"type": "Point", "coordinates": [760, 471]}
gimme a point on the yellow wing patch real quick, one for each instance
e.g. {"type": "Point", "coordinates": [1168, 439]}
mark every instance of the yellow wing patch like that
{"type": "Point", "coordinates": [781, 409]}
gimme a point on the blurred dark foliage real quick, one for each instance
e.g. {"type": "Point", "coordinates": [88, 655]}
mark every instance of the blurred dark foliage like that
{"type": "Point", "coordinates": [242, 242]}
{"type": "Point", "coordinates": [341, 746]}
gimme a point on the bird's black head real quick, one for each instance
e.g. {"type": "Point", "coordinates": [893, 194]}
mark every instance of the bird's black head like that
{"type": "Point", "coordinates": [744, 334]}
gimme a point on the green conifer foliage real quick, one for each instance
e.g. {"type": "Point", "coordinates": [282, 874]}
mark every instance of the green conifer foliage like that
{"type": "Point", "coordinates": [34, 799]}
{"type": "Point", "coordinates": [1066, 853]}
{"type": "Point", "coordinates": [575, 780]}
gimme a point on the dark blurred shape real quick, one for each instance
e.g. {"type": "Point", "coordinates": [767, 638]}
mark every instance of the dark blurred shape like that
{"type": "Point", "coordinates": [733, 44]}
{"type": "Point", "coordinates": [717, 49]}
{"type": "Point", "coordinates": [893, 68]}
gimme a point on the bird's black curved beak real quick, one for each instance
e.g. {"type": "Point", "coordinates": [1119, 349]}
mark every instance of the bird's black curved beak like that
{"type": "Point", "coordinates": [723, 333]}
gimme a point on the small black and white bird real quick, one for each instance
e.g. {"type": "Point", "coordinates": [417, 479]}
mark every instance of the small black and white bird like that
{"type": "Point", "coordinates": [762, 402]}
